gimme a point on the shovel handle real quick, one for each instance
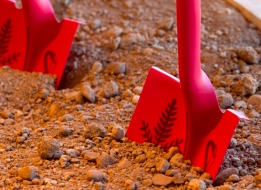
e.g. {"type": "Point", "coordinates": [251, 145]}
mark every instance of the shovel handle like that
{"type": "Point", "coordinates": [189, 28]}
{"type": "Point", "coordinates": [200, 98]}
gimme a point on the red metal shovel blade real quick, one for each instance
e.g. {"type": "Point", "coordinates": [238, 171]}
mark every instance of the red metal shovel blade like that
{"type": "Point", "coordinates": [12, 35]}
{"type": "Point", "coordinates": [160, 115]}
{"type": "Point", "coordinates": [49, 40]}
{"type": "Point", "coordinates": [161, 118]}
{"type": "Point", "coordinates": [208, 152]}
{"type": "Point", "coordinates": [52, 59]}
{"type": "Point", "coordinates": [31, 39]}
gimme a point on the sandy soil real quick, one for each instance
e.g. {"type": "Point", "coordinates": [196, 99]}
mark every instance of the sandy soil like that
{"type": "Point", "coordinates": [73, 138]}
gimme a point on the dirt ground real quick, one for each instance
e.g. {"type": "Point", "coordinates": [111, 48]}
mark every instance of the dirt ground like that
{"type": "Point", "coordinates": [73, 138]}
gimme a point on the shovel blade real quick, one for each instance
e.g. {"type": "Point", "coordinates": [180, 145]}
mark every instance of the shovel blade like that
{"type": "Point", "coordinates": [52, 59]}
{"type": "Point", "coordinates": [208, 152]}
{"type": "Point", "coordinates": [13, 33]}
{"type": "Point", "coordinates": [31, 39]}
{"type": "Point", "coordinates": [160, 115]}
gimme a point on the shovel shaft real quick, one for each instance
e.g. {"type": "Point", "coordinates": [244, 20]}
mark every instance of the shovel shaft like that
{"type": "Point", "coordinates": [200, 98]}
{"type": "Point", "coordinates": [189, 23]}
{"type": "Point", "coordinates": [203, 112]}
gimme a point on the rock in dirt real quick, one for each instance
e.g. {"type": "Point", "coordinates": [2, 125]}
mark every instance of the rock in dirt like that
{"type": "Point", "coordinates": [6, 114]}
{"type": "Point", "coordinates": [233, 178]}
{"type": "Point", "coordinates": [99, 186]}
{"type": "Point", "coordinates": [178, 179]}
{"type": "Point", "coordinates": [75, 95]}
{"type": "Point", "coordinates": [95, 175]}
{"type": "Point", "coordinates": [247, 86]}
{"type": "Point", "coordinates": [254, 100]}
{"type": "Point", "coordinates": [114, 32]}
{"type": "Point", "coordinates": [96, 67]}
{"type": "Point", "coordinates": [27, 173]}
{"type": "Point", "coordinates": [114, 43]}
{"type": "Point", "coordinates": [208, 58]}
{"type": "Point", "coordinates": [253, 114]}
{"type": "Point", "coordinates": [135, 99]}
{"type": "Point", "coordinates": [205, 175]}
{"type": "Point", "coordinates": [124, 163]}
{"type": "Point", "coordinates": [88, 92]}
{"type": "Point", "coordinates": [166, 24]}
{"type": "Point", "coordinates": [94, 130]}
{"type": "Point", "coordinates": [137, 90]}
{"type": "Point", "coordinates": [131, 38]}
{"type": "Point", "coordinates": [105, 160]}
{"type": "Point", "coordinates": [43, 93]}
{"type": "Point", "coordinates": [147, 51]}
{"type": "Point", "coordinates": [224, 174]}
{"type": "Point", "coordinates": [240, 103]}
{"type": "Point", "coordinates": [140, 158]}
{"type": "Point", "coordinates": [47, 147]}
{"type": "Point", "coordinates": [64, 160]}
{"type": "Point", "coordinates": [58, 154]}
{"type": "Point", "coordinates": [91, 156]}
{"type": "Point", "coordinates": [177, 160]}
{"type": "Point", "coordinates": [117, 67]}
{"type": "Point", "coordinates": [171, 153]}
{"type": "Point", "coordinates": [249, 55]}
{"type": "Point", "coordinates": [117, 132]}
{"type": "Point", "coordinates": [225, 100]}
{"type": "Point", "coordinates": [162, 166]}
{"type": "Point", "coordinates": [196, 184]}
{"type": "Point", "coordinates": [72, 152]}
{"type": "Point", "coordinates": [233, 143]}
{"type": "Point", "coordinates": [127, 94]}
{"type": "Point", "coordinates": [110, 89]}
{"type": "Point", "coordinates": [129, 184]}
{"type": "Point", "coordinates": [95, 24]}
{"type": "Point", "coordinates": [147, 182]}
{"type": "Point", "coordinates": [255, 139]}
{"type": "Point", "coordinates": [161, 180]}
{"type": "Point", "coordinates": [64, 130]}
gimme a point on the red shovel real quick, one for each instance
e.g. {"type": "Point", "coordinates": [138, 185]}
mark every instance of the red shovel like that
{"type": "Point", "coordinates": [31, 39]}
{"type": "Point", "coordinates": [186, 113]}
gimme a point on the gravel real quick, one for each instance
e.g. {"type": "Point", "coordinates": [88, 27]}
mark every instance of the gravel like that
{"type": "Point", "coordinates": [111, 89]}
{"type": "Point", "coordinates": [225, 100]}
{"type": "Point", "coordinates": [47, 147]}
{"type": "Point", "coordinates": [94, 130]}
{"type": "Point", "coordinates": [117, 68]}
{"type": "Point", "coordinates": [74, 137]}
{"type": "Point", "coordinates": [249, 55]}
{"type": "Point", "coordinates": [88, 92]}
{"type": "Point", "coordinates": [27, 173]}
{"type": "Point", "coordinates": [161, 180]}
{"type": "Point", "coordinates": [95, 175]}
{"type": "Point", "coordinates": [96, 67]}
{"type": "Point", "coordinates": [224, 175]}
{"type": "Point", "coordinates": [105, 160]}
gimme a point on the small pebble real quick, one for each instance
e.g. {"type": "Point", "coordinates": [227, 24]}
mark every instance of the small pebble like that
{"type": "Point", "coordinates": [94, 130]}
{"type": "Point", "coordinates": [96, 67]}
{"type": "Point", "coordinates": [95, 175]}
{"type": "Point", "coordinates": [105, 160]}
{"type": "Point", "coordinates": [47, 147]}
{"type": "Point", "coordinates": [64, 130]}
{"type": "Point", "coordinates": [110, 89]}
{"type": "Point", "coordinates": [135, 99]}
{"type": "Point", "coordinates": [27, 173]}
{"type": "Point", "coordinates": [117, 67]}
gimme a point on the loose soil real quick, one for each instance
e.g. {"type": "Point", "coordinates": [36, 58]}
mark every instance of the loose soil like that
{"type": "Point", "coordinates": [73, 137]}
